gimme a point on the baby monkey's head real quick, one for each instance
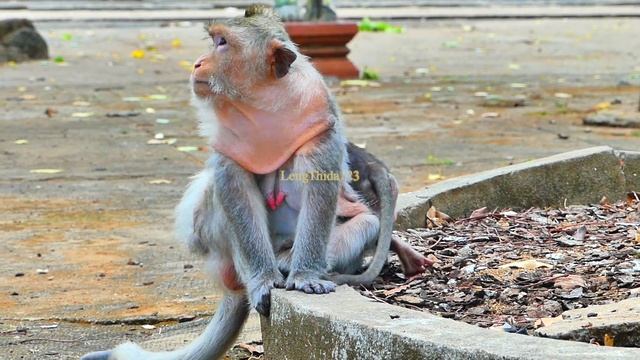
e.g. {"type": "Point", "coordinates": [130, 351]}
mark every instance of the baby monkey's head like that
{"type": "Point", "coordinates": [247, 52]}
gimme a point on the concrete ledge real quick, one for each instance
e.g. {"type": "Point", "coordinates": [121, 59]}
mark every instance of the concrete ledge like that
{"type": "Point", "coordinates": [346, 325]}
{"type": "Point", "coordinates": [576, 177]}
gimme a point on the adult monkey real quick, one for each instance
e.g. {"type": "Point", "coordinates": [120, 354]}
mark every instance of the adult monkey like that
{"type": "Point", "coordinates": [271, 118]}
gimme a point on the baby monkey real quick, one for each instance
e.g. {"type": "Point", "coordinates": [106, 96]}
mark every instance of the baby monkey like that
{"type": "Point", "coordinates": [278, 196]}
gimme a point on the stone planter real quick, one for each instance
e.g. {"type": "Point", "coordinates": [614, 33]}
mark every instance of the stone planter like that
{"type": "Point", "coordinates": [326, 44]}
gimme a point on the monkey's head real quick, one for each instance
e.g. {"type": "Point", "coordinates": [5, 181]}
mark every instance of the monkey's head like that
{"type": "Point", "coordinates": [249, 51]}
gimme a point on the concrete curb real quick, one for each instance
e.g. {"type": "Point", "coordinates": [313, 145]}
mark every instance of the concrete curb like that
{"type": "Point", "coordinates": [346, 325]}
{"type": "Point", "coordinates": [576, 177]}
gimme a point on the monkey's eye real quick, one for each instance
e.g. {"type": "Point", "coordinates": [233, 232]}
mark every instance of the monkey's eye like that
{"type": "Point", "coordinates": [220, 42]}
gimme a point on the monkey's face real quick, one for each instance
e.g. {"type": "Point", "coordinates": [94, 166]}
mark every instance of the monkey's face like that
{"type": "Point", "coordinates": [245, 55]}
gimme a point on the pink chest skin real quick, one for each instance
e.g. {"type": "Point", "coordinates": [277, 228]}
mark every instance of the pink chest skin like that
{"type": "Point", "coordinates": [261, 141]}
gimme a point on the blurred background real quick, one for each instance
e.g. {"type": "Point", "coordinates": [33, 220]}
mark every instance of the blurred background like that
{"type": "Point", "coordinates": [98, 139]}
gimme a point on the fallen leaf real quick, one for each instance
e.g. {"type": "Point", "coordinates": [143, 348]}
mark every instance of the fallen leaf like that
{"type": "Point", "coordinates": [569, 282]}
{"type": "Point", "coordinates": [479, 213]}
{"type": "Point", "coordinates": [46, 171]}
{"type": "Point", "coordinates": [42, 271]}
{"type": "Point", "coordinates": [608, 340]}
{"type": "Point", "coordinates": [395, 290]}
{"type": "Point", "coordinates": [163, 121]}
{"type": "Point", "coordinates": [187, 65]}
{"type": "Point", "coordinates": [602, 106]}
{"type": "Point", "coordinates": [157, 97]}
{"type": "Point", "coordinates": [158, 136]}
{"type": "Point", "coordinates": [562, 95]}
{"type": "Point", "coordinates": [253, 348]}
{"type": "Point", "coordinates": [434, 177]}
{"type": "Point", "coordinates": [81, 103]}
{"type": "Point", "coordinates": [187, 148]}
{"type": "Point", "coordinates": [82, 114]}
{"type": "Point", "coordinates": [148, 327]}
{"type": "Point", "coordinates": [159, 182]}
{"type": "Point", "coordinates": [529, 264]}
{"type": "Point", "coordinates": [132, 99]}
{"type": "Point", "coordinates": [21, 142]}
{"type": "Point", "coordinates": [490, 115]}
{"type": "Point", "coordinates": [436, 217]}
{"type": "Point", "coordinates": [137, 54]}
{"type": "Point", "coordinates": [410, 299]}
{"type": "Point", "coordinates": [359, 83]}
{"type": "Point", "coordinates": [176, 43]}
{"type": "Point", "coordinates": [542, 322]}
{"type": "Point", "coordinates": [50, 112]}
{"type": "Point", "coordinates": [52, 326]}
{"type": "Point", "coordinates": [150, 110]}
{"type": "Point", "coordinates": [169, 141]}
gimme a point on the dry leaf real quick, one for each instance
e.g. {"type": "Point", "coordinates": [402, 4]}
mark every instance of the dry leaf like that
{"type": "Point", "coordinates": [436, 217]}
{"type": "Point", "coordinates": [542, 322]}
{"type": "Point", "coordinates": [569, 282]}
{"type": "Point", "coordinates": [137, 54]}
{"type": "Point", "coordinates": [530, 264]}
{"type": "Point", "coordinates": [159, 181]}
{"type": "Point", "coordinates": [395, 290]}
{"type": "Point", "coordinates": [148, 327]}
{"type": "Point", "coordinates": [21, 142]}
{"type": "Point", "coordinates": [81, 114]}
{"type": "Point", "coordinates": [46, 171]}
{"type": "Point", "coordinates": [253, 348]}
{"type": "Point", "coordinates": [479, 213]}
{"type": "Point", "coordinates": [187, 148]}
{"type": "Point", "coordinates": [608, 340]}
{"type": "Point", "coordinates": [410, 299]}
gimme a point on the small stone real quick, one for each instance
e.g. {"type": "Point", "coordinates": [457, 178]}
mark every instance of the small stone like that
{"type": "Point", "coordinates": [188, 266]}
{"type": "Point", "coordinates": [20, 274]}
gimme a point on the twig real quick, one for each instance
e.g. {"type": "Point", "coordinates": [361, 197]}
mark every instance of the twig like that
{"type": "Point", "coordinates": [46, 339]}
{"type": "Point", "coordinates": [376, 298]}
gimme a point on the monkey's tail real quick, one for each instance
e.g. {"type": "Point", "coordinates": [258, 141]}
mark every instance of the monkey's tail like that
{"type": "Point", "coordinates": [211, 344]}
{"type": "Point", "coordinates": [381, 181]}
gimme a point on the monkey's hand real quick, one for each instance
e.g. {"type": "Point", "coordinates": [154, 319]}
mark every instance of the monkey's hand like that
{"type": "Point", "coordinates": [310, 282]}
{"type": "Point", "coordinates": [259, 291]}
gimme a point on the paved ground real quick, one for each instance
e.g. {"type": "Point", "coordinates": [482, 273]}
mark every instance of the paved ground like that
{"type": "Point", "coordinates": [102, 226]}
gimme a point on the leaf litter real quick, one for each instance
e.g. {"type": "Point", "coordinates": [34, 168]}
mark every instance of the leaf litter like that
{"type": "Point", "coordinates": [511, 270]}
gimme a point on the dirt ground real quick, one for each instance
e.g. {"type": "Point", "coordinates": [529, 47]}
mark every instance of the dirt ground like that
{"type": "Point", "coordinates": [87, 202]}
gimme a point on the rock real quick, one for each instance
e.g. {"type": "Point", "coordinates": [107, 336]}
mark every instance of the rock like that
{"type": "Point", "coordinates": [620, 320]}
{"type": "Point", "coordinates": [19, 41]}
{"type": "Point", "coordinates": [613, 118]}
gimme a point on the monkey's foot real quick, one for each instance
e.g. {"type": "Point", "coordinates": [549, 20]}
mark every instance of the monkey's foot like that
{"type": "Point", "coordinates": [310, 283]}
{"type": "Point", "coordinates": [275, 200]}
{"type": "Point", "coordinates": [260, 293]}
{"type": "Point", "coordinates": [97, 355]}
{"type": "Point", "coordinates": [413, 263]}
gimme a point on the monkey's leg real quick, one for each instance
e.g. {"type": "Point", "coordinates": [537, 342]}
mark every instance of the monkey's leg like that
{"type": "Point", "coordinates": [246, 216]}
{"type": "Point", "coordinates": [413, 262]}
{"type": "Point", "coordinates": [317, 214]}
{"type": "Point", "coordinates": [349, 241]}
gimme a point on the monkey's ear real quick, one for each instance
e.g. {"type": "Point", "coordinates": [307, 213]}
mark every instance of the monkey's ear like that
{"type": "Point", "coordinates": [282, 58]}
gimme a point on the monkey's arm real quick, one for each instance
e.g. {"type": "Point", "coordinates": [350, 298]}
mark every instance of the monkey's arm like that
{"type": "Point", "coordinates": [240, 199]}
{"type": "Point", "coordinates": [324, 155]}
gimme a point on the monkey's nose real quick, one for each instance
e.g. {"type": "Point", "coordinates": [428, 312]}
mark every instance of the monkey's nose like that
{"type": "Point", "coordinates": [197, 64]}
